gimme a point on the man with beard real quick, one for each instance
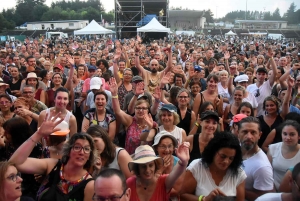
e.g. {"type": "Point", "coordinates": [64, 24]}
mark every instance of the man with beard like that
{"type": "Point", "coordinates": [152, 78]}
{"type": "Point", "coordinates": [256, 165]}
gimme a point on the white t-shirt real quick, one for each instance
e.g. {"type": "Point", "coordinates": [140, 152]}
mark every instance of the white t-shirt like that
{"type": "Point", "coordinates": [224, 93]}
{"type": "Point", "coordinates": [177, 133]}
{"type": "Point", "coordinates": [259, 172]}
{"type": "Point", "coordinates": [251, 99]}
{"type": "Point", "coordinates": [270, 197]}
{"type": "Point", "coordinates": [264, 91]}
{"type": "Point", "coordinates": [281, 164]}
{"type": "Point", "coordinates": [206, 184]}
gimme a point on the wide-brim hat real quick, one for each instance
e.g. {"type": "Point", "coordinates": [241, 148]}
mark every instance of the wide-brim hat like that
{"type": "Point", "coordinates": [31, 75]}
{"type": "Point", "coordinates": [144, 154]}
{"type": "Point", "coordinates": [64, 128]}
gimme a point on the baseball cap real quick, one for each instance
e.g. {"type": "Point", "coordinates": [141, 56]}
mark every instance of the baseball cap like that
{"type": "Point", "coordinates": [238, 117]}
{"type": "Point", "coordinates": [142, 96]}
{"type": "Point", "coordinates": [241, 78]}
{"type": "Point", "coordinates": [242, 53]}
{"type": "Point", "coordinates": [59, 67]}
{"type": "Point", "coordinates": [95, 83]}
{"type": "Point", "coordinates": [169, 107]}
{"type": "Point", "coordinates": [211, 114]}
{"type": "Point", "coordinates": [262, 69]}
{"type": "Point", "coordinates": [137, 79]}
{"type": "Point", "coordinates": [91, 67]}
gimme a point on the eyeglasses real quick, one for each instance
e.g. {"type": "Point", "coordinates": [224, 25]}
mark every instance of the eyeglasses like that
{"type": "Point", "coordinates": [127, 74]}
{"type": "Point", "coordinates": [112, 198]}
{"type": "Point", "coordinates": [182, 97]}
{"type": "Point", "coordinates": [257, 93]}
{"type": "Point", "coordinates": [154, 64]}
{"type": "Point", "coordinates": [14, 177]}
{"type": "Point", "coordinates": [141, 108]}
{"type": "Point", "coordinates": [223, 156]}
{"type": "Point", "coordinates": [296, 185]}
{"type": "Point", "coordinates": [4, 102]}
{"type": "Point", "coordinates": [166, 147]}
{"type": "Point", "coordinates": [78, 148]}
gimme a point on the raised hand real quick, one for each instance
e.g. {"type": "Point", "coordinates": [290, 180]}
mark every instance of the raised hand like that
{"type": "Point", "coordinates": [270, 53]}
{"type": "Point", "coordinates": [148, 119]}
{"type": "Point", "coordinates": [183, 152]}
{"type": "Point", "coordinates": [49, 124]}
{"type": "Point", "coordinates": [290, 82]}
{"type": "Point", "coordinates": [157, 93]}
{"type": "Point", "coordinates": [113, 86]}
{"type": "Point", "coordinates": [117, 54]}
{"type": "Point", "coordinates": [227, 55]}
{"type": "Point", "coordinates": [166, 78]}
{"type": "Point", "coordinates": [139, 88]}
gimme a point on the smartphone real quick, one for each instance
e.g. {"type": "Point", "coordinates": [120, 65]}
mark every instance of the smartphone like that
{"type": "Point", "coordinates": [224, 198]}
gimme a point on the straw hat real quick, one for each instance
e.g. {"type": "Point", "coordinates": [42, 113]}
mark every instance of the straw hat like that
{"type": "Point", "coordinates": [64, 128]}
{"type": "Point", "coordinates": [31, 75]}
{"type": "Point", "coordinates": [144, 154]}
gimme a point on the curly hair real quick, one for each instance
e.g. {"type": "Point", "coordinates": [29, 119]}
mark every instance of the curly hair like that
{"type": "Point", "coordinates": [69, 145]}
{"type": "Point", "coordinates": [109, 153]}
{"type": "Point", "coordinates": [223, 140]}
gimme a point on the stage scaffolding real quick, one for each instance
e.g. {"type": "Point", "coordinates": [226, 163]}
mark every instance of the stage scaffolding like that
{"type": "Point", "coordinates": [130, 12]}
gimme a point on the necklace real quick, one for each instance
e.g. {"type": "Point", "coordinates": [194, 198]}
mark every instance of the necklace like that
{"type": "Point", "coordinates": [144, 187]}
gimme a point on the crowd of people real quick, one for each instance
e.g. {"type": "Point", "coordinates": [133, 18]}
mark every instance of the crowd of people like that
{"type": "Point", "coordinates": [185, 118]}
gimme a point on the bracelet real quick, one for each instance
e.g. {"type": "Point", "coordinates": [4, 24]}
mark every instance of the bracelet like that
{"type": "Point", "coordinates": [145, 131]}
{"type": "Point", "coordinates": [196, 124]}
{"type": "Point", "coordinates": [157, 100]}
{"type": "Point", "coordinates": [180, 163]}
{"type": "Point", "coordinates": [32, 140]}
{"type": "Point", "coordinates": [116, 96]}
{"type": "Point", "coordinates": [200, 197]}
{"type": "Point", "coordinates": [298, 96]}
{"type": "Point", "coordinates": [114, 61]}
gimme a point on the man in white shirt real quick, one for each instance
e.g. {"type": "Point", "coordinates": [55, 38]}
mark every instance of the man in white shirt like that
{"type": "Point", "coordinates": [262, 89]}
{"type": "Point", "coordinates": [293, 196]}
{"type": "Point", "coordinates": [256, 164]}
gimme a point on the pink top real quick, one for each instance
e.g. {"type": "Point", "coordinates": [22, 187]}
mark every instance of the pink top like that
{"type": "Point", "coordinates": [158, 194]}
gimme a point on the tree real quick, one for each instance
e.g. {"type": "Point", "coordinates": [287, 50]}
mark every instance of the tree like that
{"type": "Point", "coordinates": [290, 15]}
{"type": "Point", "coordinates": [209, 16]}
{"type": "Point", "coordinates": [267, 16]}
{"type": "Point", "coordinates": [276, 15]}
{"type": "Point", "coordinates": [24, 9]}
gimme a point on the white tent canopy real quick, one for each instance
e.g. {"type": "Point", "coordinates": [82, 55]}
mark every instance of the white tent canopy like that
{"type": "Point", "coordinates": [93, 28]}
{"type": "Point", "coordinates": [153, 26]}
{"type": "Point", "coordinates": [230, 33]}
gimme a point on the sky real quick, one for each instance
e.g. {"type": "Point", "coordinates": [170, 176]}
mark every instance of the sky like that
{"type": "Point", "coordinates": [218, 7]}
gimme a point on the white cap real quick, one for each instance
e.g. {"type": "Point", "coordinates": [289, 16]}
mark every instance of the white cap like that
{"type": "Point", "coordinates": [241, 78]}
{"type": "Point", "coordinates": [95, 83]}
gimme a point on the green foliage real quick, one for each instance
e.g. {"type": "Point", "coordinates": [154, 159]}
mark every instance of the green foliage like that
{"type": "Point", "coordinates": [276, 15]}
{"type": "Point", "coordinates": [36, 10]}
{"type": "Point", "coordinates": [209, 16]}
{"type": "Point", "coordinates": [291, 16]}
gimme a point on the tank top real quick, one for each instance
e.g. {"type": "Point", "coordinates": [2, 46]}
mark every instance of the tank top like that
{"type": "Point", "coordinates": [186, 122]}
{"type": "Point", "coordinates": [50, 191]}
{"type": "Point", "coordinates": [115, 164]}
{"type": "Point", "coordinates": [122, 92]}
{"type": "Point", "coordinates": [195, 153]}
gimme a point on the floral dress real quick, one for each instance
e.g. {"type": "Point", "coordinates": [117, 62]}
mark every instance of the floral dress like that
{"type": "Point", "coordinates": [92, 117]}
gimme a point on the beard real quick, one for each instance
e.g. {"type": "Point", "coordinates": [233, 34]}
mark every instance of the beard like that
{"type": "Point", "coordinates": [153, 70]}
{"type": "Point", "coordinates": [248, 146]}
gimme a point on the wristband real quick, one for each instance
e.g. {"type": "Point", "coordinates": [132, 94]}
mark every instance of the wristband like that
{"type": "Point", "coordinates": [298, 96]}
{"type": "Point", "coordinates": [114, 61]}
{"type": "Point", "coordinates": [145, 131]}
{"type": "Point", "coordinates": [32, 140]}
{"type": "Point", "coordinates": [196, 124]}
{"type": "Point", "coordinates": [200, 197]}
{"type": "Point", "coordinates": [116, 96]}
{"type": "Point", "coordinates": [157, 100]}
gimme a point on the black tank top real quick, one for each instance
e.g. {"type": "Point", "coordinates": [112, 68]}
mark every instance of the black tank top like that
{"type": "Point", "coordinates": [195, 153]}
{"type": "Point", "coordinates": [186, 122]}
